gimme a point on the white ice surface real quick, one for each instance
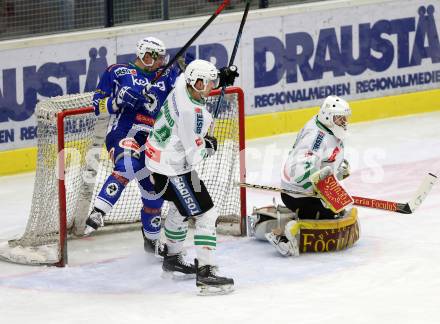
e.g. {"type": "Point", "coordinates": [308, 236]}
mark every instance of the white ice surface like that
{"type": "Point", "coordinates": [392, 275]}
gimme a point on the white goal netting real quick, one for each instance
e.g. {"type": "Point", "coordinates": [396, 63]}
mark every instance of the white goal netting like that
{"type": "Point", "coordinates": [72, 166]}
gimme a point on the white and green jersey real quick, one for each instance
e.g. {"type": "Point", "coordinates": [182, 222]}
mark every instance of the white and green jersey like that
{"type": "Point", "coordinates": [315, 147]}
{"type": "Point", "coordinates": [176, 145]}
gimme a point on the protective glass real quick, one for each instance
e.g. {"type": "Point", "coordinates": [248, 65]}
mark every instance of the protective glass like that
{"type": "Point", "coordinates": [216, 83]}
{"type": "Point", "coordinates": [162, 59]}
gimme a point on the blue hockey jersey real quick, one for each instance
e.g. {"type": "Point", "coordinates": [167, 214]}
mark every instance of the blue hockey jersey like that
{"type": "Point", "coordinates": [129, 75]}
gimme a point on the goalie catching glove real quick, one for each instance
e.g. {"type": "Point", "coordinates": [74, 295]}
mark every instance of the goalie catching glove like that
{"type": "Point", "coordinates": [227, 75]}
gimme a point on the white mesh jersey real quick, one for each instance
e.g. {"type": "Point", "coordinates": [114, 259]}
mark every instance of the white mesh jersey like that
{"type": "Point", "coordinates": [176, 144]}
{"type": "Point", "coordinates": [315, 147]}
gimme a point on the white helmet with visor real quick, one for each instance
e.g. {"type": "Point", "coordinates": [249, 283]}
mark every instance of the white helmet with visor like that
{"type": "Point", "coordinates": [155, 47]}
{"type": "Point", "coordinates": [201, 70]}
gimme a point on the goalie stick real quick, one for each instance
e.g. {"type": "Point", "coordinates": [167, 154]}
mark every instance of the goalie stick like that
{"type": "Point", "coordinates": [404, 208]}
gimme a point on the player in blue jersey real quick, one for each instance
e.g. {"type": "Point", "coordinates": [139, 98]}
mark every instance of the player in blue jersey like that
{"type": "Point", "coordinates": [122, 92]}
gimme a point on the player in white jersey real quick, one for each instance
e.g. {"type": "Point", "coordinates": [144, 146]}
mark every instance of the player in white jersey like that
{"type": "Point", "coordinates": [318, 151]}
{"type": "Point", "coordinates": [178, 142]}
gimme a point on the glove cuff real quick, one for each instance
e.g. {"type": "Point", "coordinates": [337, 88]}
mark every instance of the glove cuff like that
{"type": "Point", "coordinates": [111, 106]}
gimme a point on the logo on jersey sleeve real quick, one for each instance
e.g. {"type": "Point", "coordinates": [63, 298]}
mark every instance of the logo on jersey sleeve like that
{"type": "Point", "coordinates": [318, 141]}
{"type": "Point", "coordinates": [151, 104]}
{"type": "Point", "coordinates": [334, 154]}
{"type": "Point", "coordinates": [199, 120]}
{"type": "Point", "coordinates": [152, 153]}
{"type": "Point", "coordinates": [199, 141]}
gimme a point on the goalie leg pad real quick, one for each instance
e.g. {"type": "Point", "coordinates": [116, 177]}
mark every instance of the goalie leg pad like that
{"type": "Point", "coordinates": [326, 235]}
{"type": "Point", "coordinates": [176, 229]}
{"type": "Point", "coordinates": [205, 237]}
{"type": "Point", "coordinates": [264, 219]}
{"type": "Point", "coordinates": [262, 228]}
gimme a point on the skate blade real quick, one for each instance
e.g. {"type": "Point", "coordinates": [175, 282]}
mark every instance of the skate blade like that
{"type": "Point", "coordinates": [174, 275]}
{"type": "Point", "coordinates": [158, 256]}
{"type": "Point", "coordinates": [213, 291]}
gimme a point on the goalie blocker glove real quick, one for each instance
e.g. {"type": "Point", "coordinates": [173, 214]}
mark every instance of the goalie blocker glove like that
{"type": "Point", "coordinates": [227, 75]}
{"type": "Point", "coordinates": [210, 145]}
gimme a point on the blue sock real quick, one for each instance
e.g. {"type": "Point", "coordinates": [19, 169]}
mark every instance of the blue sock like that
{"type": "Point", "coordinates": [150, 218]}
{"type": "Point", "coordinates": [110, 193]}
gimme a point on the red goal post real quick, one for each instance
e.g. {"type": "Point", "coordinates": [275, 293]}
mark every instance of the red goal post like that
{"type": "Point", "coordinates": [63, 192]}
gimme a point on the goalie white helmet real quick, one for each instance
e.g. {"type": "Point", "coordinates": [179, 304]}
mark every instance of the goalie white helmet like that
{"type": "Point", "coordinates": [201, 70]}
{"type": "Point", "coordinates": [333, 114]}
{"type": "Point", "coordinates": [151, 45]}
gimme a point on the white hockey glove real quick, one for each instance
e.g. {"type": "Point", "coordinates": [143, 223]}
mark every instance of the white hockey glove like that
{"type": "Point", "coordinates": [343, 170]}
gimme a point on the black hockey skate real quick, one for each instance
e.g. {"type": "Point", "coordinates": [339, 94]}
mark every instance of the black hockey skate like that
{"type": "Point", "coordinates": [176, 267]}
{"type": "Point", "coordinates": [211, 284]}
{"type": "Point", "coordinates": [154, 246]}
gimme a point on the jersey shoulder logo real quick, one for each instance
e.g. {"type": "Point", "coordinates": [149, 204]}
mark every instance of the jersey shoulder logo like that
{"type": "Point", "coordinates": [124, 71]}
{"type": "Point", "coordinates": [318, 141]}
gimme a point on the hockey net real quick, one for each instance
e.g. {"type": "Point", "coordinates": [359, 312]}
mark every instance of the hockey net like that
{"type": "Point", "coordinates": [72, 166]}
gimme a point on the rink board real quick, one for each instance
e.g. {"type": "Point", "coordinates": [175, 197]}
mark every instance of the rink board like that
{"type": "Point", "coordinates": [257, 126]}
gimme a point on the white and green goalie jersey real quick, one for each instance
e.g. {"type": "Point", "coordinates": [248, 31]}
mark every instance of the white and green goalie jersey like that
{"type": "Point", "coordinates": [315, 147]}
{"type": "Point", "coordinates": [176, 144]}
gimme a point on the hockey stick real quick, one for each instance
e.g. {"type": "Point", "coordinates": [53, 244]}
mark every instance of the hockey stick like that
{"type": "Point", "coordinates": [188, 44]}
{"type": "Point", "coordinates": [404, 208]}
{"type": "Point", "coordinates": [232, 58]}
